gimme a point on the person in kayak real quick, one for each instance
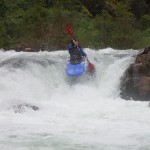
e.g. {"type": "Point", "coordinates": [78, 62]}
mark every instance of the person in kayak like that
{"type": "Point", "coordinates": [76, 52]}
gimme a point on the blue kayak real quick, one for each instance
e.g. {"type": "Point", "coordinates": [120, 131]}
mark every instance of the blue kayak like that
{"type": "Point", "coordinates": [75, 69]}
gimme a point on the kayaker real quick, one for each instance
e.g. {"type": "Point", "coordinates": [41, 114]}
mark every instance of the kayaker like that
{"type": "Point", "coordinates": [76, 52]}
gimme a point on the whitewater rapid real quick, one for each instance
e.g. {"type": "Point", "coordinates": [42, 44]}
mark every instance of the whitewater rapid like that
{"type": "Point", "coordinates": [87, 115]}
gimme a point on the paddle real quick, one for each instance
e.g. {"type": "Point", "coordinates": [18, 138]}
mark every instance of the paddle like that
{"type": "Point", "coordinates": [69, 30]}
{"type": "Point", "coordinates": [91, 66]}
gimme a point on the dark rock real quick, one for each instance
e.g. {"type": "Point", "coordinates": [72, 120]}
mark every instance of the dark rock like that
{"type": "Point", "coordinates": [23, 107]}
{"type": "Point", "coordinates": [30, 48]}
{"type": "Point", "coordinates": [135, 84]}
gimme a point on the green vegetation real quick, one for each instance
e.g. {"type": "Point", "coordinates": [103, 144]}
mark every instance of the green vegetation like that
{"type": "Point", "coordinates": [120, 24]}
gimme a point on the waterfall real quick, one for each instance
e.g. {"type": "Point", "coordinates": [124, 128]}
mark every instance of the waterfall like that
{"type": "Point", "coordinates": [88, 115]}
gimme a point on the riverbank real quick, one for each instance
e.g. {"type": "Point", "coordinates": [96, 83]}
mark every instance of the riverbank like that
{"type": "Point", "coordinates": [40, 25]}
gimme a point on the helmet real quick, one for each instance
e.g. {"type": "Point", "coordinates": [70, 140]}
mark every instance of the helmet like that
{"type": "Point", "coordinates": [72, 41]}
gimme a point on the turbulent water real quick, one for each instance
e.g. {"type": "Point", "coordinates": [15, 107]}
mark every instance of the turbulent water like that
{"type": "Point", "coordinates": [87, 115]}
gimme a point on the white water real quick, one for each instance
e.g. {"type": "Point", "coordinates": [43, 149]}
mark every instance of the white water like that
{"type": "Point", "coordinates": [88, 115]}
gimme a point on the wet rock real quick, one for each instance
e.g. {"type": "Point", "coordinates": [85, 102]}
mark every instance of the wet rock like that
{"type": "Point", "coordinates": [24, 107]}
{"type": "Point", "coordinates": [30, 48]}
{"type": "Point", "coordinates": [135, 84]}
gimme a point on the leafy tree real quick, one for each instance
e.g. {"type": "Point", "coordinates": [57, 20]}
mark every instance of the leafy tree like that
{"type": "Point", "coordinates": [2, 8]}
{"type": "Point", "coordinates": [96, 23]}
{"type": "Point", "coordinates": [95, 7]}
{"type": "Point", "coordinates": [139, 8]}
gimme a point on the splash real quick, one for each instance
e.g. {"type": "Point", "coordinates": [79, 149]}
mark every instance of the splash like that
{"type": "Point", "coordinates": [88, 114]}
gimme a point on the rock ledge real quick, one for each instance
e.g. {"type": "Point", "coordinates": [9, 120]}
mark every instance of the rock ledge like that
{"type": "Point", "coordinates": [135, 84]}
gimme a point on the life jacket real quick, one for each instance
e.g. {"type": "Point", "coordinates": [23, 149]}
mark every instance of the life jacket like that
{"type": "Point", "coordinates": [75, 56]}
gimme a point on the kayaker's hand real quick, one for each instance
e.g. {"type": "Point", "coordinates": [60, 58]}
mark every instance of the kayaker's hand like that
{"type": "Point", "coordinates": [76, 43]}
{"type": "Point", "coordinates": [84, 58]}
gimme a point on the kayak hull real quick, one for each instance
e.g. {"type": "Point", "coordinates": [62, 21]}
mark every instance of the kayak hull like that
{"type": "Point", "coordinates": [75, 69]}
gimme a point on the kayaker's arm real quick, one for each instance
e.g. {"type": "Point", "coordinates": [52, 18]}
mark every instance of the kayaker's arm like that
{"type": "Point", "coordinates": [82, 51]}
{"type": "Point", "coordinates": [69, 48]}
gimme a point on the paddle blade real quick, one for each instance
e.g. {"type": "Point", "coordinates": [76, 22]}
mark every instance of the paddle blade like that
{"type": "Point", "coordinates": [69, 30]}
{"type": "Point", "coordinates": [91, 67]}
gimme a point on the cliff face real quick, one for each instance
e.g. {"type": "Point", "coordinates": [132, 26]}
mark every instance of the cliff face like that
{"type": "Point", "coordinates": [135, 83]}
